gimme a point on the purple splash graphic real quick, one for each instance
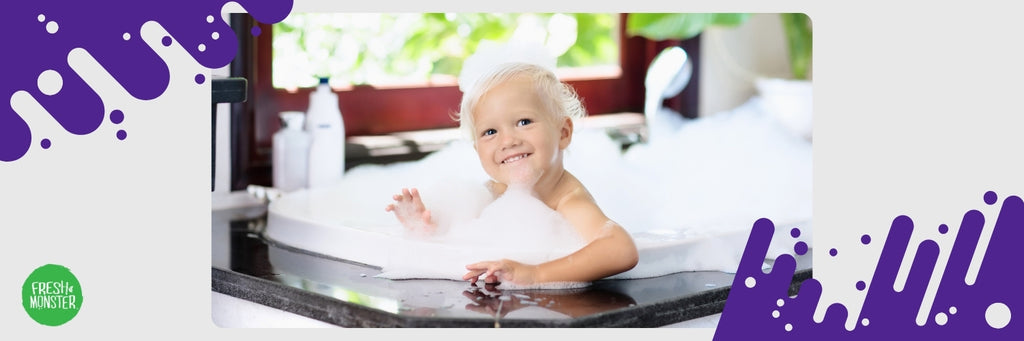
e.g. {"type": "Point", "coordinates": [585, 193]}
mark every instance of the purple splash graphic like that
{"type": "Point", "coordinates": [44, 32]}
{"type": "Point", "coordinates": [989, 308]}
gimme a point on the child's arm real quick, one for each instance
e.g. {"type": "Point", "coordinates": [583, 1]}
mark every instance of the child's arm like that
{"type": "Point", "coordinates": [610, 251]}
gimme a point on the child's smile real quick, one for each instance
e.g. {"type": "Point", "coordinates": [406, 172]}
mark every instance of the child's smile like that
{"type": "Point", "coordinates": [517, 137]}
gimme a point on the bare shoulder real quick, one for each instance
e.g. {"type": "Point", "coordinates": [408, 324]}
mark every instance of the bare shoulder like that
{"type": "Point", "coordinates": [579, 207]}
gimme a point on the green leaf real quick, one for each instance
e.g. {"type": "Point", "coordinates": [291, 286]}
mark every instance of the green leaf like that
{"type": "Point", "coordinates": [678, 26]}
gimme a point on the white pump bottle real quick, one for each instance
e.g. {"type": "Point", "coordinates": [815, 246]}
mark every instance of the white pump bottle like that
{"type": "Point", "coordinates": [327, 129]}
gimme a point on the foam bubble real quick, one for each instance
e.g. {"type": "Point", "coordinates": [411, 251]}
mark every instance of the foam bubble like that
{"type": "Point", "coordinates": [52, 27]}
{"type": "Point", "coordinates": [50, 82]}
{"type": "Point", "coordinates": [997, 315]}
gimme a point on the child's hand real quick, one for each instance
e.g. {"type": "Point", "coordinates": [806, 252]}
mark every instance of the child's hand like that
{"type": "Point", "coordinates": [501, 271]}
{"type": "Point", "coordinates": [409, 210]}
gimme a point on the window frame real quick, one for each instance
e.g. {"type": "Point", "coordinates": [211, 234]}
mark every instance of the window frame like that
{"type": "Point", "coordinates": [367, 110]}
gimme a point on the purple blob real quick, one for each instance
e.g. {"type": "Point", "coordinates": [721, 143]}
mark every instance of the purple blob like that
{"type": "Point", "coordinates": [833, 252]}
{"type": "Point", "coordinates": [943, 228]}
{"type": "Point", "coordinates": [800, 248]}
{"type": "Point", "coordinates": [795, 232]}
{"type": "Point", "coordinates": [200, 78]}
{"type": "Point", "coordinates": [166, 41]}
{"type": "Point", "coordinates": [865, 239]}
{"type": "Point", "coordinates": [116, 116]}
{"type": "Point", "coordinates": [861, 285]}
{"type": "Point", "coordinates": [990, 197]}
{"type": "Point", "coordinates": [45, 143]}
{"type": "Point", "coordinates": [256, 31]}
{"type": "Point", "coordinates": [121, 134]}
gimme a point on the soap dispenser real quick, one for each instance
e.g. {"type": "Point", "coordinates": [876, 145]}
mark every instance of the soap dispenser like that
{"type": "Point", "coordinates": [291, 153]}
{"type": "Point", "coordinates": [327, 130]}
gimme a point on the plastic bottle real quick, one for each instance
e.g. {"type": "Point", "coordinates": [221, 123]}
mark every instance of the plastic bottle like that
{"type": "Point", "coordinates": [327, 130]}
{"type": "Point", "coordinates": [291, 153]}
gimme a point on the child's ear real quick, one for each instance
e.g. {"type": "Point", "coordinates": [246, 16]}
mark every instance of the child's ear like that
{"type": "Point", "coordinates": [565, 133]}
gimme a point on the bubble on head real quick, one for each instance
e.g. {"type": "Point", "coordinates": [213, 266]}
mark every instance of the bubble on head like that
{"type": "Point", "coordinates": [750, 282]}
{"type": "Point", "coordinates": [997, 315]}
{"type": "Point", "coordinates": [990, 197]}
{"type": "Point", "coordinates": [45, 143]}
{"type": "Point", "coordinates": [943, 228]}
{"type": "Point", "coordinates": [865, 239]}
{"type": "Point", "coordinates": [795, 232]}
{"type": "Point", "coordinates": [941, 319]}
{"type": "Point", "coordinates": [833, 252]}
{"type": "Point", "coordinates": [41, 18]}
{"type": "Point", "coordinates": [800, 248]}
{"type": "Point", "coordinates": [121, 135]}
{"type": "Point", "coordinates": [116, 116]}
{"type": "Point", "coordinates": [166, 41]}
{"type": "Point", "coordinates": [861, 285]}
{"type": "Point", "coordinates": [52, 27]}
{"type": "Point", "coordinates": [49, 82]}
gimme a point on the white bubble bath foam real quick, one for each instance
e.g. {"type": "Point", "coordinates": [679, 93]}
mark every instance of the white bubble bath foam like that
{"type": "Point", "coordinates": [688, 199]}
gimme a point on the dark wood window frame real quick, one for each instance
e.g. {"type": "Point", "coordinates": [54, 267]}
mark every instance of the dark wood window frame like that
{"type": "Point", "coordinates": [372, 111]}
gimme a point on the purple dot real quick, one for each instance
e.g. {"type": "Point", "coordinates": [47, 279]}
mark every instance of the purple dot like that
{"type": "Point", "coordinates": [200, 78]}
{"type": "Point", "coordinates": [166, 41]}
{"type": "Point", "coordinates": [800, 248]}
{"type": "Point", "coordinates": [256, 31]}
{"type": "Point", "coordinates": [116, 117]}
{"type": "Point", "coordinates": [833, 252]}
{"type": "Point", "coordinates": [990, 197]}
{"type": "Point", "coordinates": [45, 143]}
{"type": "Point", "coordinates": [865, 239]}
{"type": "Point", "coordinates": [795, 232]}
{"type": "Point", "coordinates": [121, 134]}
{"type": "Point", "coordinates": [943, 228]}
{"type": "Point", "coordinates": [861, 285]}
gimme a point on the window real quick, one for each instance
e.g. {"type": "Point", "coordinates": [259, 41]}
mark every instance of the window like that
{"type": "Point", "coordinates": [388, 100]}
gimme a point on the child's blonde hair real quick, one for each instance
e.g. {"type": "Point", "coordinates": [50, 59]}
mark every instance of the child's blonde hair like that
{"type": "Point", "coordinates": [560, 98]}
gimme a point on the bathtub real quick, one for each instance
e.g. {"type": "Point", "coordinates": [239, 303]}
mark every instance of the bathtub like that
{"type": "Point", "coordinates": [688, 201]}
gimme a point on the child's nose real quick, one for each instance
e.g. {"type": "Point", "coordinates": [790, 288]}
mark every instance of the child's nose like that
{"type": "Point", "coordinates": [510, 140]}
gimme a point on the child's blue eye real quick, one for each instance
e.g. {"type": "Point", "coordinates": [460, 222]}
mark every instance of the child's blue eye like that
{"type": "Point", "coordinates": [524, 121]}
{"type": "Point", "coordinates": [490, 132]}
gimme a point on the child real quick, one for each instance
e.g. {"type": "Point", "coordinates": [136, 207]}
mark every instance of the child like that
{"type": "Point", "coordinates": [521, 120]}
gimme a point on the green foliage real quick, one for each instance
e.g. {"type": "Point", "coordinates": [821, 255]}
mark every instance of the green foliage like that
{"type": "Point", "coordinates": [366, 48]}
{"type": "Point", "coordinates": [681, 26]}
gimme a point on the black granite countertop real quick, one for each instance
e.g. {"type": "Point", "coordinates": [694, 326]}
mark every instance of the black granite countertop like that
{"type": "Point", "coordinates": [347, 294]}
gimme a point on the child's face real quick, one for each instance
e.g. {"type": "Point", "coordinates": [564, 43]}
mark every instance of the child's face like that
{"type": "Point", "coordinates": [517, 138]}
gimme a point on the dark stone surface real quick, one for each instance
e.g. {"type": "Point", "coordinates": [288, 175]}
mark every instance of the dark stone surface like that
{"type": "Point", "coordinates": [347, 294]}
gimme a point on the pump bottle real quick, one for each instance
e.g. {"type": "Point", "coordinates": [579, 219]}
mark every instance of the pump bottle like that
{"type": "Point", "coordinates": [327, 131]}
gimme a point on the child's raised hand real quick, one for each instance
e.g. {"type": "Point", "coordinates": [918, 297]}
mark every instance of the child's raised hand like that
{"type": "Point", "coordinates": [501, 271]}
{"type": "Point", "coordinates": [409, 210]}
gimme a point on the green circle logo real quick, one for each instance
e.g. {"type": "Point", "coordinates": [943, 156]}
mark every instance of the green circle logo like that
{"type": "Point", "coordinates": [51, 295]}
